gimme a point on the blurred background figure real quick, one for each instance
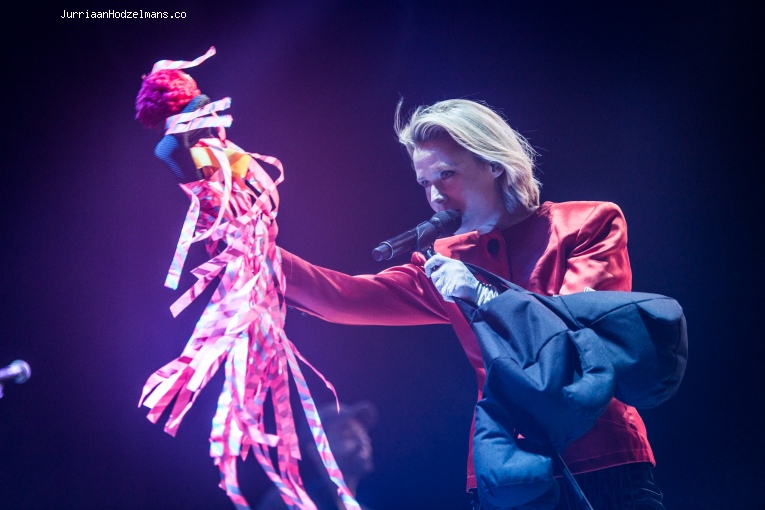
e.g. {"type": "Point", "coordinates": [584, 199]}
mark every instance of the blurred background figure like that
{"type": "Point", "coordinates": [348, 436]}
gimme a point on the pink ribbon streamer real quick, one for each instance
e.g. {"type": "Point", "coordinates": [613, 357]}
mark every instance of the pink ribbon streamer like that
{"type": "Point", "coordinates": [242, 328]}
{"type": "Point", "coordinates": [201, 118]}
{"type": "Point", "coordinates": [182, 64]}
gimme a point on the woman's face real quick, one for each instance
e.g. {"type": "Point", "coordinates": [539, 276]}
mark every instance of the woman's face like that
{"type": "Point", "coordinates": [454, 178]}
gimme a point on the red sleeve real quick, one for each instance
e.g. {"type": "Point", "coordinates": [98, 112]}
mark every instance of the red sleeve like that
{"type": "Point", "coordinates": [598, 258]}
{"type": "Point", "coordinates": [398, 296]}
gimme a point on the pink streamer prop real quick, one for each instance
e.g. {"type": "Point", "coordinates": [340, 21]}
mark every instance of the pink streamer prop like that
{"type": "Point", "coordinates": [199, 119]}
{"type": "Point", "coordinates": [242, 327]}
{"type": "Point", "coordinates": [182, 64]}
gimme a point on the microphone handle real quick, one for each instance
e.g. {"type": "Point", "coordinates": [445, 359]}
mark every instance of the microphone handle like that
{"type": "Point", "coordinates": [19, 371]}
{"type": "Point", "coordinates": [429, 252]}
{"type": "Point", "coordinates": [395, 245]}
{"type": "Point", "coordinates": [420, 238]}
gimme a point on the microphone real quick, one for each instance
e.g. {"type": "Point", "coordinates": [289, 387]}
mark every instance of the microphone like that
{"type": "Point", "coordinates": [19, 371]}
{"type": "Point", "coordinates": [442, 224]}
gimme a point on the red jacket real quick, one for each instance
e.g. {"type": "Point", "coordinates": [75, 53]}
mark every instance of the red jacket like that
{"type": "Point", "coordinates": [560, 249]}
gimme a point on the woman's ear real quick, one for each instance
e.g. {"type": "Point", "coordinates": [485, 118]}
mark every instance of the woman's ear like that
{"type": "Point", "coordinates": [496, 170]}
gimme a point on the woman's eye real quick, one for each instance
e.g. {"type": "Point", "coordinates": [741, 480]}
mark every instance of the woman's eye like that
{"type": "Point", "coordinates": [447, 174]}
{"type": "Point", "coordinates": [424, 184]}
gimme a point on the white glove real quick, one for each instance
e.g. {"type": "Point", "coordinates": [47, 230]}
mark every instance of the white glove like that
{"type": "Point", "coordinates": [453, 279]}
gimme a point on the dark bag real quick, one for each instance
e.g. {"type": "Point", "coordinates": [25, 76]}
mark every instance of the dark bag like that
{"type": "Point", "coordinates": [552, 366]}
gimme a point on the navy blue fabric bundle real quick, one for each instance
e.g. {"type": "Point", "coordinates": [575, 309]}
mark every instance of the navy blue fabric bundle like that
{"type": "Point", "coordinates": [552, 366]}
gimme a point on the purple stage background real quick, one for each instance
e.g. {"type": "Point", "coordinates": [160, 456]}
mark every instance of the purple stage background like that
{"type": "Point", "coordinates": [654, 106]}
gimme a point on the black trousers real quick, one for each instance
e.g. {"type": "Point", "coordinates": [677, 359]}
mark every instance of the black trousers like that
{"type": "Point", "coordinates": [626, 487]}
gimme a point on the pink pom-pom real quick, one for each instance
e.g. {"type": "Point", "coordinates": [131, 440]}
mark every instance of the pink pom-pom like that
{"type": "Point", "coordinates": [164, 94]}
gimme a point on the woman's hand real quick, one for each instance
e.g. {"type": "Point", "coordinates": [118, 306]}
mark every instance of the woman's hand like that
{"type": "Point", "coordinates": [452, 278]}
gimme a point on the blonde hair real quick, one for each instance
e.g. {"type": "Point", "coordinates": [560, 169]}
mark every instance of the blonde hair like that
{"type": "Point", "coordinates": [482, 131]}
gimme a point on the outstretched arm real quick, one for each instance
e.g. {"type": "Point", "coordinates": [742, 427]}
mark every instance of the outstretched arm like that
{"type": "Point", "coordinates": [399, 296]}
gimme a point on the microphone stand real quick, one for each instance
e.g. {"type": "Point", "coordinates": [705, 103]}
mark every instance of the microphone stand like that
{"type": "Point", "coordinates": [428, 251]}
{"type": "Point", "coordinates": [18, 372]}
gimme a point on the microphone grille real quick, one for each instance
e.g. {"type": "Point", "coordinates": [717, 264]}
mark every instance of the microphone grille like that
{"type": "Point", "coordinates": [446, 222]}
{"type": "Point", "coordinates": [24, 372]}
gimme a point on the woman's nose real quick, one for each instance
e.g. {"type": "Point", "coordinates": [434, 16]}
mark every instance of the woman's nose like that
{"type": "Point", "coordinates": [435, 195]}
